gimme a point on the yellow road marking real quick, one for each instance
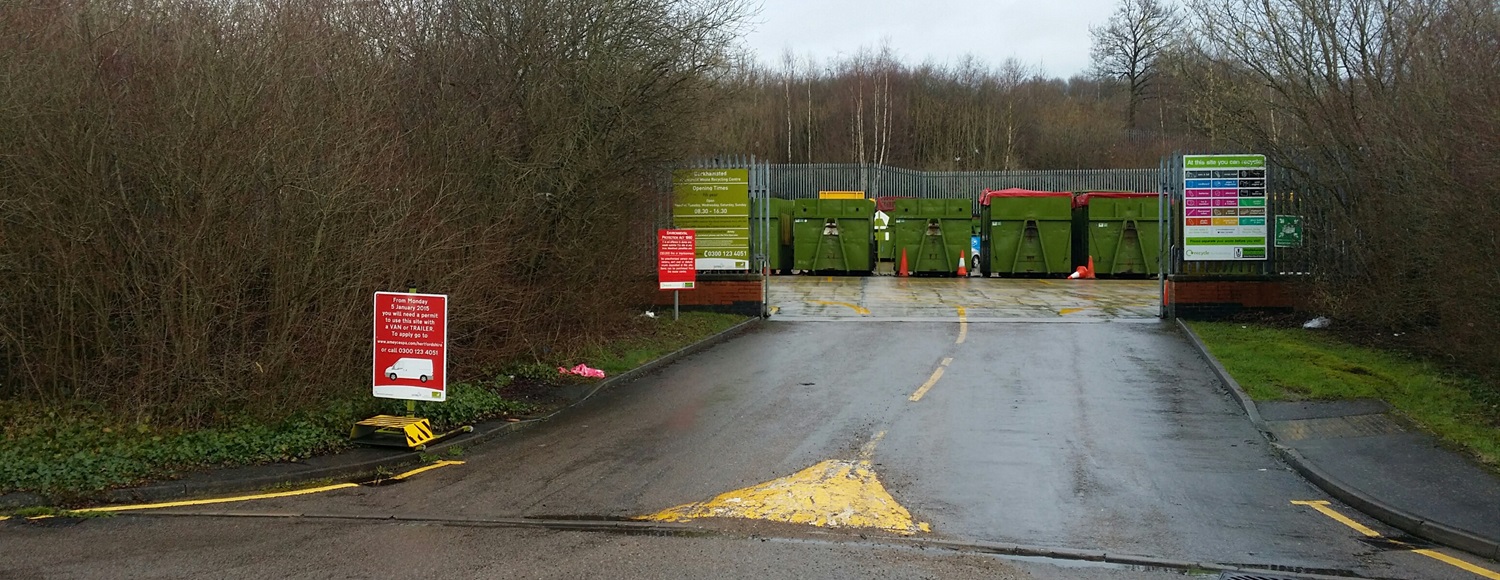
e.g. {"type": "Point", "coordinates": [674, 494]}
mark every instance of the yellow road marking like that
{"type": "Point", "coordinates": [3, 518]}
{"type": "Point", "coordinates": [1322, 506]}
{"type": "Point", "coordinates": [963, 325]}
{"type": "Point", "coordinates": [828, 279]}
{"type": "Point", "coordinates": [427, 468]}
{"type": "Point", "coordinates": [1067, 311]}
{"type": "Point", "coordinates": [194, 502]}
{"type": "Point", "coordinates": [833, 494]}
{"type": "Point", "coordinates": [1460, 564]}
{"type": "Point", "coordinates": [862, 311]}
{"type": "Point", "coordinates": [775, 309]}
{"type": "Point", "coordinates": [927, 386]}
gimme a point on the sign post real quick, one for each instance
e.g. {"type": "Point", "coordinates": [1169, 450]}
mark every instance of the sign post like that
{"type": "Point", "coordinates": [676, 261]}
{"type": "Point", "coordinates": [715, 203]}
{"type": "Point", "coordinates": [410, 362]}
{"type": "Point", "coordinates": [1224, 207]}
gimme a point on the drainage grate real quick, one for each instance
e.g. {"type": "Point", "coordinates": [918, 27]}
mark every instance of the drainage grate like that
{"type": "Point", "coordinates": [1250, 576]}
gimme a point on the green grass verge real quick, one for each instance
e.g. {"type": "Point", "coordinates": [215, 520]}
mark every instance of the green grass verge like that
{"type": "Point", "coordinates": [654, 339]}
{"type": "Point", "coordinates": [1293, 364]}
{"type": "Point", "coordinates": [76, 453]}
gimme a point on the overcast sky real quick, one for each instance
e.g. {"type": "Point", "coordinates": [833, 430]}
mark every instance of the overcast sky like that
{"type": "Point", "coordinates": [1050, 34]}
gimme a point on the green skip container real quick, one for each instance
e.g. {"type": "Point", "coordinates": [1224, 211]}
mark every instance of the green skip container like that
{"type": "Point", "coordinates": [933, 234]}
{"type": "Point", "coordinates": [835, 236]}
{"type": "Point", "coordinates": [1024, 232]}
{"type": "Point", "coordinates": [1121, 232]}
{"type": "Point", "coordinates": [779, 253]}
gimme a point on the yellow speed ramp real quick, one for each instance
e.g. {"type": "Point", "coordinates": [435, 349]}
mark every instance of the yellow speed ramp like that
{"type": "Point", "coordinates": [832, 494]}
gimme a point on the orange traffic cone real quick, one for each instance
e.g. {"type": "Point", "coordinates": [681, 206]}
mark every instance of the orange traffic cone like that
{"type": "Point", "coordinates": [963, 267]}
{"type": "Point", "coordinates": [903, 272]}
{"type": "Point", "coordinates": [1078, 274]}
{"type": "Point", "coordinates": [1090, 274]}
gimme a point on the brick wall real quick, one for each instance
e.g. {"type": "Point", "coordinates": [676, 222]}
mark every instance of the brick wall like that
{"type": "Point", "coordinates": [736, 296]}
{"type": "Point", "coordinates": [1221, 298]}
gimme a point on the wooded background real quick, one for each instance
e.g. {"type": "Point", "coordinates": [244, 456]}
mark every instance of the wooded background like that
{"type": "Point", "coordinates": [198, 197]}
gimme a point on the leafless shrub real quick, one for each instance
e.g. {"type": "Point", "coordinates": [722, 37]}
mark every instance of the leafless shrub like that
{"type": "Point", "coordinates": [199, 197]}
{"type": "Point", "coordinates": [1386, 110]}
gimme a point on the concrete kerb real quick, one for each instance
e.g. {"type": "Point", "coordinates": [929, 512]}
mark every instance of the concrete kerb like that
{"type": "Point", "coordinates": [371, 469]}
{"type": "Point", "coordinates": [1371, 506]}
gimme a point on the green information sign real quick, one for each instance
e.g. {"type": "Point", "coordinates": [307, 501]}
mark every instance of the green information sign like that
{"type": "Point", "coordinates": [1289, 231]}
{"type": "Point", "coordinates": [715, 203]}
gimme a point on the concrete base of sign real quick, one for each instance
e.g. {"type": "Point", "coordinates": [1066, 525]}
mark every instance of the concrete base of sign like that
{"type": "Point", "coordinates": [405, 432]}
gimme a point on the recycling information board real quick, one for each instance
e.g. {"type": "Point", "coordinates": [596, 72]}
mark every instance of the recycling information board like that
{"type": "Point", "coordinates": [1224, 207]}
{"type": "Point", "coordinates": [411, 346]}
{"type": "Point", "coordinates": [715, 204]}
{"type": "Point", "coordinates": [675, 260]}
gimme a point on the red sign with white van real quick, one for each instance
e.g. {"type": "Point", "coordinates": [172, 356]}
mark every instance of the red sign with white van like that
{"type": "Point", "coordinates": [411, 346]}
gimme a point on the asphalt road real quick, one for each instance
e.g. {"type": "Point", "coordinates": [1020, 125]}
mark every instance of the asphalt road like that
{"type": "Point", "coordinates": [1106, 436]}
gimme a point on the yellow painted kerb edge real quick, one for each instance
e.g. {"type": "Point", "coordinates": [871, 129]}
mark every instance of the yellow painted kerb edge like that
{"type": "Point", "coordinates": [1460, 564]}
{"type": "Point", "coordinates": [1322, 507]}
{"type": "Point", "coordinates": [193, 502]}
{"type": "Point", "coordinates": [427, 468]}
{"type": "Point", "coordinates": [217, 500]}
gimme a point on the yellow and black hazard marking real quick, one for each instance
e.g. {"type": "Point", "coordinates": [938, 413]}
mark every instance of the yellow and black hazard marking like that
{"type": "Point", "coordinates": [392, 431]}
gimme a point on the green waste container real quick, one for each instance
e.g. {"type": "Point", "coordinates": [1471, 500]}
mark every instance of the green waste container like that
{"type": "Point", "coordinates": [779, 254]}
{"type": "Point", "coordinates": [834, 236]}
{"type": "Point", "coordinates": [1025, 232]}
{"type": "Point", "coordinates": [933, 233]}
{"type": "Point", "coordinates": [1120, 230]}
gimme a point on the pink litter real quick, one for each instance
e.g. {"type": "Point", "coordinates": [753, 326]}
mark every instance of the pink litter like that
{"type": "Point", "coordinates": [582, 371]}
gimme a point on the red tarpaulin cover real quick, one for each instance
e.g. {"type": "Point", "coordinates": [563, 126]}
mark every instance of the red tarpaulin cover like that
{"type": "Point", "coordinates": [1083, 198]}
{"type": "Point", "coordinates": [1018, 192]}
{"type": "Point", "coordinates": [887, 203]}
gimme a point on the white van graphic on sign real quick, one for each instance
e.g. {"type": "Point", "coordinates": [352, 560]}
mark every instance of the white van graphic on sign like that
{"type": "Point", "coordinates": [410, 368]}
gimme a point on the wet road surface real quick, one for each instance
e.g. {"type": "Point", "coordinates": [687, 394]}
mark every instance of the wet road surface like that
{"type": "Point", "coordinates": [1111, 437]}
{"type": "Point", "coordinates": [889, 298]}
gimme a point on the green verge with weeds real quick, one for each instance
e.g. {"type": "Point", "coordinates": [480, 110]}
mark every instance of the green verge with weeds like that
{"type": "Point", "coordinates": [75, 453]}
{"type": "Point", "coordinates": [1293, 364]}
{"type": "Point", "coordinates": [652, 339]}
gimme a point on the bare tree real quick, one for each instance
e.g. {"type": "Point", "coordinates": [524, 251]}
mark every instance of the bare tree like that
{"type": "Point", "coordinates": [1128, 45]}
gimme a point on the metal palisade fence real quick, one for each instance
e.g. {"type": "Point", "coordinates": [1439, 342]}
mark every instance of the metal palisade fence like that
{"type": "Point", "coordinates": [759, 191]}
{"type": "Point", "coordinates": [804, 181]}
{"type": "Point", "coordinates": [1285, 196]}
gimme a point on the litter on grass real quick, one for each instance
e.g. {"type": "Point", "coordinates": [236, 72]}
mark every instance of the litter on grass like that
{"type": "Point", "coordinates": [582, 370]}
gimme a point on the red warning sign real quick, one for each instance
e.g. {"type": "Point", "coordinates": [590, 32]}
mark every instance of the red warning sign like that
{"type": "Point", "coordinates": [676, 262]}
{"type": "Point", "coordinates": [411, 346]}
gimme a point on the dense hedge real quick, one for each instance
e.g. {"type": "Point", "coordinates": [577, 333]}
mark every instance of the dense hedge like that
{"type": "Point", "coordinates": [198, 198]}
